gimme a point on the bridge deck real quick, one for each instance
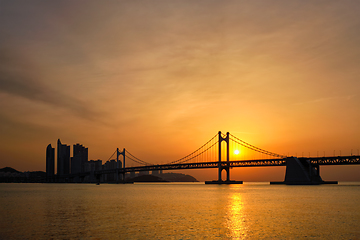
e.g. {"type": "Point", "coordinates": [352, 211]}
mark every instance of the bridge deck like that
{"type": "Point", "coordinates": [338, 160]}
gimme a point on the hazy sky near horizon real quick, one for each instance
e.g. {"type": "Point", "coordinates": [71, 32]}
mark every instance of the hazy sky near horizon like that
{"type": "Point", "coordinates": [160, 78]}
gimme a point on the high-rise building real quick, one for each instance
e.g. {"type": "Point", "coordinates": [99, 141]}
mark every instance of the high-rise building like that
{"type": "Point", "coordinates": [110, 177]}
{"type": "Point", "coordinates": [50, 161]}
{"type": "Point", "coordinates": [98, 165]}
{"type": "Point", "coordinates": [79, 159]}
{"type": "Point", "coordinates": [63, 158]}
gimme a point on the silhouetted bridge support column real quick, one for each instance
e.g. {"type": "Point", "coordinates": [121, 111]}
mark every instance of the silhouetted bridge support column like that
{"type": "Point", "coordinates": [118, 153]}
{"type": "Point", "coordinates": [222, 166]}
{"type": "Point", "coordinates": [300, 171]}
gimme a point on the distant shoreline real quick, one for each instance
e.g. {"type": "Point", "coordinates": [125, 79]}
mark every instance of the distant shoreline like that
{"type": "Point", "coordinates": [11, 175]}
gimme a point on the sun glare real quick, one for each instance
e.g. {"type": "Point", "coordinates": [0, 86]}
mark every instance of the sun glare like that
{"type": "Point", "coordinates": [236, 152]}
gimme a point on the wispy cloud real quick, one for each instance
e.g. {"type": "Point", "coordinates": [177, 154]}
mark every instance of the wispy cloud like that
{"type": "Point", "coordinates": [19, 78]}
{"type": "Point", "coordinates": [326, 99]}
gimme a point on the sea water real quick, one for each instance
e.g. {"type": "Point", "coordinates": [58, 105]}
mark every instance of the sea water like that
{"type": "Point", "coordinates": [179, 211]}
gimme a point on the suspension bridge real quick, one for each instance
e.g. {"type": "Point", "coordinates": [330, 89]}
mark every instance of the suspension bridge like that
{"type": "Point", "coordinates": [224, 152]}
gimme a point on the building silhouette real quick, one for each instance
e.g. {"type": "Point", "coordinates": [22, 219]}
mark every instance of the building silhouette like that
{"type": "Point", "coordinates": [50, 161]}
{"type": "Point", "coordinates": [112, 164]}
{"type": "Point", "coordinates": [77, 168]}
{"type": "Point", "coordinates": [63, 158]}
{"type": "Point", "coordinates": [92, 166]}
{"type": "Point", "coordinates": [79, 159]}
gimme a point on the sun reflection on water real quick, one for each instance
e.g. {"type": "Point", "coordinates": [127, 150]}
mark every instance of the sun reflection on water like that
{"type": "Point", "coordinates": [236, 217]}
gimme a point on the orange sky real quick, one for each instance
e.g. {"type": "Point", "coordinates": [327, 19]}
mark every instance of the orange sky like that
{"type": "Point", "coordinates": [160, 78]}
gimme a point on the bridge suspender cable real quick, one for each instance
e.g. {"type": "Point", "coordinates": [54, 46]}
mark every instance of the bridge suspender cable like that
{"type": "Point", "coordinates": [135, 159]}
{"type": "Point", "coordinates": [184, 159]}
{"type": "Point", "coordinates": [204, 148]}
{"type": "Point", "coordinates": [249, 146]}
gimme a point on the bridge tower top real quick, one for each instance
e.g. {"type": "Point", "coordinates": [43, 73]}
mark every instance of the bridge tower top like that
{"type": "Point", "coordinates": [226, 139]}
{"type": "Point", "coordinates": [118, 153]}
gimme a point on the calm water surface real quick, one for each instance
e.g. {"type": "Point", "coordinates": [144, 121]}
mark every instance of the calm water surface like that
{"type": "Point", "coordinates": [179, 211]}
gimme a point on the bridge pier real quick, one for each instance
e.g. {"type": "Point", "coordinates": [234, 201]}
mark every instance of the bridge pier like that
{"type": "Point", "coordinates": [221, 166]}
{"type": "Point", "coordinates": [302, 172]}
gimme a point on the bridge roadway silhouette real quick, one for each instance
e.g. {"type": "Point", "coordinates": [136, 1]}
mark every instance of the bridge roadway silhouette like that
{"type": "Point", "coordinates": [302, 170]}
{"type": "Point", "coordinates": [339, 160]}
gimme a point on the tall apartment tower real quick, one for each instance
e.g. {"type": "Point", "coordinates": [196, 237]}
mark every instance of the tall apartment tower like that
{"type": "Point", "coordinates": [50, 161]}
{"type": "Point", "coordinates": [79, 159]}
{"type": "Point", "coordinates": [63, 158]}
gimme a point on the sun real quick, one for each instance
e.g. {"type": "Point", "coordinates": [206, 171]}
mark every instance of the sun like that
{"type": "Point", "coordinates": [236, 152]}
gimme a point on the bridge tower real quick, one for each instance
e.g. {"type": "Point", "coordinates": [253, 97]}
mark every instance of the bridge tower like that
{"type": "Point", "coordinates": [226, 167]}
{"type": "Point", "coordinates": [221, 165]}
{"type": "Point", "coordinates": [118, 153]}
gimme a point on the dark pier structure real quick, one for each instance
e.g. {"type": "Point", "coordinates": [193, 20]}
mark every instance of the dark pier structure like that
{"type": "Point", "coordinates": [302, 172]}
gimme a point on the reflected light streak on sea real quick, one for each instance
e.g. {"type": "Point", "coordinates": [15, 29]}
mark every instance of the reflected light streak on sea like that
{"type": "Point", "coordinates": [179, 211]}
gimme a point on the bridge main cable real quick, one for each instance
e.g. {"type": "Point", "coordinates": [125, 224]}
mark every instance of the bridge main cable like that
{"type": "Point", "coordinates": [135, 159]}
{"type": "Point", "coordinates": [184, 159]}
{"type": "Point", "coordinates": [252, 147]}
